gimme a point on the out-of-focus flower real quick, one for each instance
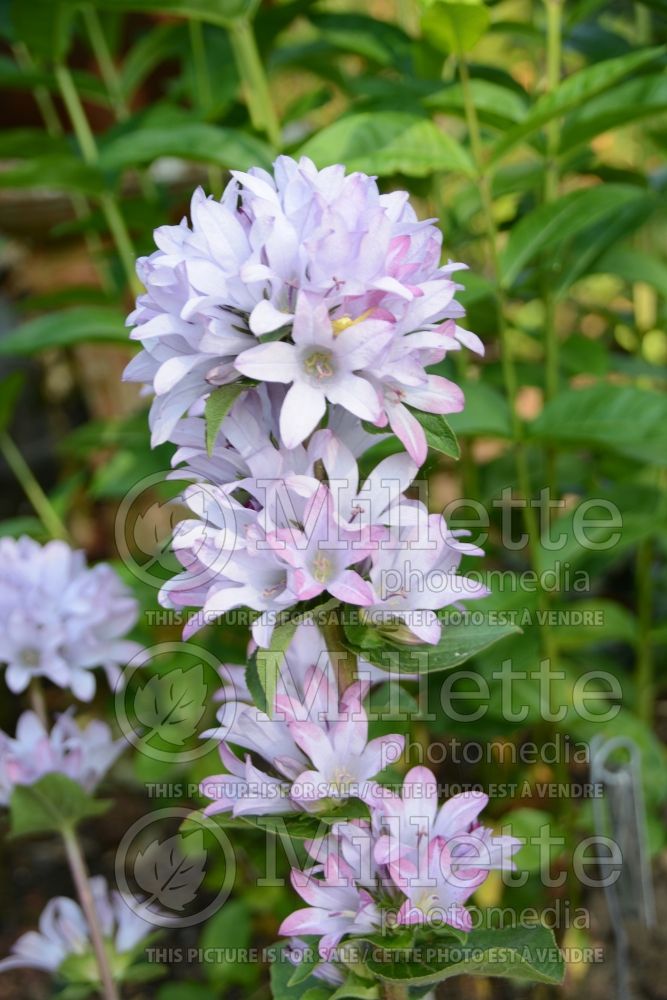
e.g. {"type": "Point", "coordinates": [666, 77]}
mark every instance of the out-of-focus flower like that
{"type": "Point", "coordinates": [61, 619]}
{"type": "Point", "coordinates": [83, 754]}
{"type": "Point", "coordinates": [63, 933]}
{"type": "Point", "coordinates": [345, 281]}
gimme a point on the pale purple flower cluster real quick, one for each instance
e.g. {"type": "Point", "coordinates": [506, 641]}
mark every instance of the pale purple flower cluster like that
{"type": "Point", "coordinates": [314, 750]}
{"type": "Point", "coordinates": [411, 863]}
{"type": "Point", "coordinates": [292, 525]}
{"type": "Point", "coordinates": [61, 619]}
{"type": "Point", "coordinates": [83, 754]}
{"type": "Point", "coordinates": [309, 279]}
{"type": "Point", "coordinates": [63, 931]}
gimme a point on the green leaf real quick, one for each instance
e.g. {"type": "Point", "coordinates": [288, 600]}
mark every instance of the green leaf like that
{"type": "Point", "coordinates": [458, 643]}
{"type": "Point", "coordinates": [486, 412]}
{"type": "Point", "coordinates": [307, 989]}
{"type": "Point", "coordinates": [148, 51]}
{"type": "Point", "coordinates": [379, 41]}
{"type": "Point", "coordinates": [439, 434]}
{"type": "Point", "coordinates": [454, 27]}
{"type": "Point", "coordinates": [79, 325]}
{"type": "Point", "coordinates": [595, 620]}
{"type": "Point", "coordinates": [220, 12]}
{"type": "Point", "coordinates": [54, 172]}
{"type": "Point", "coordinates": [52, 804]}
{"type": "Point", "coordinates": [386, 143]}
{"type": "Point", "coordinates": [494, 103]}
{"type": "Point", "coordinates": [633, 264]}
{"type": "Point", "coordinates": [230, 928]}
{"type": "Point", "coordinates": [625, 104]}
{"type": "Point", "coordinates": [217, 406]}
{"type": "Point", "coordinates": [554, 222]}
{"type": "Point", "coordinates": [225, 147]}
{"type": "Point", "coordinates": [575, 91]}
{"type": "Point", "coordinates": [44, 27]}
{"type": "Point", "coordinates": [270, 661]}
{"type": "Point", "coordinates": [624, 419]}
{"type": "Point", "coordinates": [525, 953]}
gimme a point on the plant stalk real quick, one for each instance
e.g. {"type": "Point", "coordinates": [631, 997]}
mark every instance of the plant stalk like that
{"type": "Point", "coordinates": [90, 154]}
{"type": "Point", "coordinates": [79, 871]}
{"type": "Point", "coordinates": [508, 368]}
{"type": "Point", "coordinates": [645, 664]}
{"type": "Point", "coordinates": [204, 92]}
{"type": "Point", "coordinates": [33, 491]}
{"type": "Point", "coordinates": [551, 177]}
{"type": "Point", "coordinates": [345, 662]}
{"type": "Point", "coordinates": [255, 84]}
{"type": "Point", "coordinates": [81, 878]}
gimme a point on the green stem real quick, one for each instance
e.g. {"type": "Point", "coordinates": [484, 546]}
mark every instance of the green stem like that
{"type": "Point", "coordinates": [79, 871]}
{"type": "Point", "coordinates": [508, 368]}
{"type": "Point", "coordinates": [551, 178]}
{"type": "Point", "coordinates": [345, 662]}
{"type": "Point", "coordinates": [81, 879]}
{"type": "Point", "coordinates": [90, 153]}
{"type": "Point", "coordinates": [645, 679]}
{"type": "Point", "coordinates": [81, 207]}
{"type": "Point", "coordinates": [255, 84]}
{"type": "Point", "coordinates": [204, 92]}
{"type": "Point", "coordinates": [34, 492]}
{"type": "Point", "coordinates": [104, 59]}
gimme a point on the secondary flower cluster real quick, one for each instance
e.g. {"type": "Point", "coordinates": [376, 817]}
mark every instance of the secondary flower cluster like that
{"type": "Point", "coordinates": [411, 863]}
{"type": "Point", "coordinates": [274, 527]}
{"type": "Point", "coordinates": [63, 934]}
{"type": "Point", "coordinates": [307, 279]}
{"type": "Point", "coordinates": [61, 619]}
{"type": "Point", "coordinates": [82, 754]}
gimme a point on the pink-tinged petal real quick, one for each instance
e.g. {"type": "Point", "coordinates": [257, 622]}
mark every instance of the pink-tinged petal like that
{"type": "Point", "coordinates": [314, 742]}
{"type": "Point", "coordinates": [265, 318]}
{"type": "Point", "coordinates": [381, 752]}
{"type": "Point", "coordinates": [358, 396]}
{"type": "Point", "coordinates": [309, 920]}
{"type": "Point", "coordinates": [302, 409]}
{"type": "Point", "coordinates": [459, 812]}
{"type": "Point", "coordinates": [352, 589]}
{"type": "Point", "coordinates": [307, 787]}
{"type": "Point", "coordinates": [424, 624]}
{"type": "Point", "coordinates": [420, 795]}
{"type": "Point", "coordinates": [409, 431]}
{"type": "Point", "coordinates": [438, 396]}
{"type": "Point", "coordinates": [274, 362]}
{"type": "Point", "coordinates": [458, 916]}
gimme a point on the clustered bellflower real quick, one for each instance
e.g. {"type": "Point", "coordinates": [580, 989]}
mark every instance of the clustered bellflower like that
{"type": "Point", "coordinates": [309, 279]}
{"type": "Point", "coordinates": [61, 618]}
{"type": "Point", "coordinates": [323, 306]}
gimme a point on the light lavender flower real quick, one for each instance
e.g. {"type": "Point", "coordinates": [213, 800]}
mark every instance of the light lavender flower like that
{"type": "Point", "coordinates": [61, 618]}
{"type": "Point", "coordinates": [63, 931]}
{"type": "Point", "coordinates": [346, 282]}
{"type": "Point", "coordinates": [84, 754]}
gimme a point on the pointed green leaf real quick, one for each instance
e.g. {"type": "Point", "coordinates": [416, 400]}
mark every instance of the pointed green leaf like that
{"type": "Point", "coordinates": [439, 434]}
{"type": "Point", "coordinates": [575, 91]}
{"type": "Point", "coordinates": [50, 805]}
{"type": "Point", "coordinates": [529, 954]}
{"type": "Point", "coordinates": [225, 147]}
{"type": "Point", "coordinates": [454, 26]}
{"type": "Point", "coordinates": [217, 406]}
{"type": "Point", "coordinates": [80, 324]}
{"type": "Point", "coordinates": [387, 142]}
{"type": "Point", "coordinates": [270, 661]}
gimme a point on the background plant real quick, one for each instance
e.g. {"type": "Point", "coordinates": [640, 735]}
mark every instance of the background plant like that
{"type": "Point", "coordinates": [534, 133]}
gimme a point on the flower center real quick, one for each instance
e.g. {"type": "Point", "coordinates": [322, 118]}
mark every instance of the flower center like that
{"type": "Point", "coordinates": [320, 365]}
{"type": "Point", "coordinates": [322, 567]}
{"type": "Point", "coordinates": [29, 657]}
